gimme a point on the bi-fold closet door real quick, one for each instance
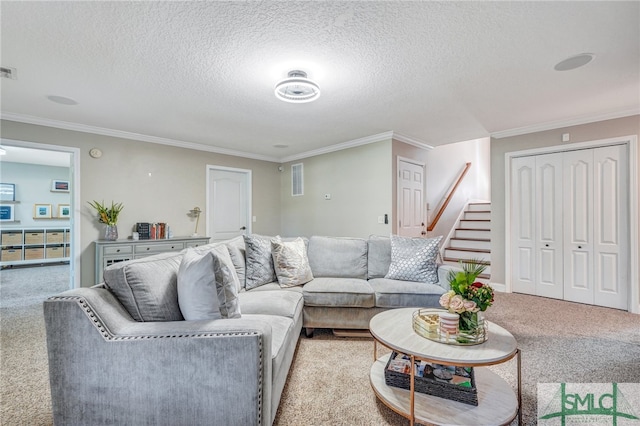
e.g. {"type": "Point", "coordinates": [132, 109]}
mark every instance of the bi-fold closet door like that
{"type": "Point", "coordinates": [569, 225]}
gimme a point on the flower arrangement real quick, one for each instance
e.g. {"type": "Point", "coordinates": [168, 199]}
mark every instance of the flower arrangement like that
{"type": "Point", "coordinates": [467, 296]}
{"type": "Point", "coordinates": [107, 215]}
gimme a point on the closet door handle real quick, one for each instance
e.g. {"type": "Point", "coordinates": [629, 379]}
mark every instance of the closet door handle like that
{"type": "Point", "coordinates": [579, 247]}
{"type": "Point", "coordinates": [546, 245]}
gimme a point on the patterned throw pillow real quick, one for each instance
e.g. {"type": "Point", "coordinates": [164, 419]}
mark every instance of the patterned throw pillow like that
{"type": "Point", "coordinates": [226, 284]}
{"type": "Point", "coordinates": [291, 263]}
{"type": "Point", "coordinates": [414, 259]}
{"type": "Point", "coordinates": [259, 269]}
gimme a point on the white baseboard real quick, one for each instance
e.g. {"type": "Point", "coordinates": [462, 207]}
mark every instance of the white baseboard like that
{"type": "Point", "coordinates": [502, 288]}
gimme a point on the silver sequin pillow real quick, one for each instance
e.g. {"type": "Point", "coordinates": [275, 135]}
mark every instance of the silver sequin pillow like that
{"type": "Point", "coordinates": [414, 259]}
{"type": "Point", "coordinates": [259, 269]}
{"type": "Point", "coordinates": [291, 263]}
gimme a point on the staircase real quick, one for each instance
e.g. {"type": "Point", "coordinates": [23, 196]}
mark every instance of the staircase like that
{"type": "Point", "coordinates": [472, 238]}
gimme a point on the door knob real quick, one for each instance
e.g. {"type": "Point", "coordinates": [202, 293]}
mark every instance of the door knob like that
{"type": "Point", "coordinates": [579, 247]}
{"type": "Point", "coordinates": [546, 245]}
{"type": "Point", "coordinates": [243, 228]}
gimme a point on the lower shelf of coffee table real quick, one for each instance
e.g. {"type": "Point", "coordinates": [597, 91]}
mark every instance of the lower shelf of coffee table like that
{"type": "Point", "coordinates": [497, 403]}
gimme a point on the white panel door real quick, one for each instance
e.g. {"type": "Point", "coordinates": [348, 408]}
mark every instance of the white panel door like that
{"type": "Point", "coordinates": [610, 227]}
{"type": "Point", "coordinates": [523, 224]}
{"type": "Point", "coordinates": [411, 199]}
{"type": "Point", "coordinates": [548, 225]}
{"type": "Point", "coordinates": [578, 228]}
{"type": "Point", "coordinates": [229, 204]}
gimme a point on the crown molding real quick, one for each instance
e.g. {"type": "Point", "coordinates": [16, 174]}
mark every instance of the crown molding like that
{"type": "Point", "coordinates": [411, 141]}
{"type": "Point", "coordinates": [65, 125]}
{"type": "Point", "coordinates": [551, 125]}
{"type": "Point", "coordinates": [129, 135]}
{"type": "Point", "coordinates": [340, 146]}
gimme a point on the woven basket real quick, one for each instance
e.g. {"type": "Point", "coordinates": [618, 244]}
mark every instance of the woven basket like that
{"type": "Point", "coordinates": [435, 387]}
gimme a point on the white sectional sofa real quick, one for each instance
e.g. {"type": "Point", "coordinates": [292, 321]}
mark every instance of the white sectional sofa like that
{"type": "Point", "coordinates": [122, 352]}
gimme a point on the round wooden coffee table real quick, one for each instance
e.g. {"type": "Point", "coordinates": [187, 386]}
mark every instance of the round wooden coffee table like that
{"type": "Point", "coordinates": [497, 402]}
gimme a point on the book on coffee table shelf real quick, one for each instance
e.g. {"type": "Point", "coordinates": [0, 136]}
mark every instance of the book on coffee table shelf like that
{"type": "Point", "coordinates": [444, 381]}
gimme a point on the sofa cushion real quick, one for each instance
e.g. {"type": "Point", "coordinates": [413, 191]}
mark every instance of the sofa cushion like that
{"type": "Point", "coordinates": [338, 292]}
{"type": "Point", "coordinates": [290, 262]}
{"type": "Point", "coordinates": [259, 263]}
{"type": "Point", "coordinates": [277, 302]}
{"type": "Point", "coordinates": [237, 252]}
{"type": "Point", "coordinates": [208, 284]}
{"type": "Point", "coordinates": [197, 292]}
{"type": "Point", "coordinates": [414, 259]}
{"type": "Point", "coordinates": [147, 287]}
{"type": "Point", "coordinates": [405, 294]}
{"type": "Point", "coordinates": [378, 256]}
{"type": "Point", "coordinates": [338, 257]}
{"type": "Point", "coordinates": [227, 284]}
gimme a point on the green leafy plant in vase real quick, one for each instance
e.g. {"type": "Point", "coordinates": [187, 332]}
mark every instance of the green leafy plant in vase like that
{"type": "Point", "coordinates": [468, 297]}
{"type": "Point", "coordinates": [109, 216]}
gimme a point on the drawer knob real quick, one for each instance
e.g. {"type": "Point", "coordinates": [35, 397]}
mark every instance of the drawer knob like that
{"type": "Point", "coordinates": [147, 248]}
{"type": "Point", "coordinates": [118, 251]}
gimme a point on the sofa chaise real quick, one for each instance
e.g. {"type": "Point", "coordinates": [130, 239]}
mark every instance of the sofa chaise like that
{"type": "Point", "coordinates": [122, 352]}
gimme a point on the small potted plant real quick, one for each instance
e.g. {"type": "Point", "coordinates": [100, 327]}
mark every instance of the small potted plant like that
{"type": "Point", "coordinates": [108, 216]}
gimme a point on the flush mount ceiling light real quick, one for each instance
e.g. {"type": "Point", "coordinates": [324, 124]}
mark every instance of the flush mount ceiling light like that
{"type": "Point", "coordinates": [297, 88]}
{"type": "Point", "coordinates": [574, 62]}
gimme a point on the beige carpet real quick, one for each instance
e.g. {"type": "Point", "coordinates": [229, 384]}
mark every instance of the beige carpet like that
{"type": "Point", "coordinates": [329, 381]}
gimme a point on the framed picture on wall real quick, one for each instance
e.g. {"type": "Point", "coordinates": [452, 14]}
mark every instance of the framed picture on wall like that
{"type": "Point", "coordinates": [42, 211]}
{"type": "Point", "coordinates": [59, 186]}
{"type": "Point", "coordinates": [64, 211]}
{"type": "Point", "coordinates": [6, 213]}
{"type": "Point", "coordinates": [7, 192]}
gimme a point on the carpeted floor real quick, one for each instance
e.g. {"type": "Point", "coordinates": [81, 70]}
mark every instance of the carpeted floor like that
{"type": "Point", "coordinates": [329, 381]}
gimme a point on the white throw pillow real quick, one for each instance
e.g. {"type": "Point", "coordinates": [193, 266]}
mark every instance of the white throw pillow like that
{"type": "Point", "coordinates": [414, 259]}
{"type": "Point", "coordinates": [291, 263]}
{"type": "Point", "coordinates": [208, 285]}
{"type": "Point", "coordinates": [197, 291]}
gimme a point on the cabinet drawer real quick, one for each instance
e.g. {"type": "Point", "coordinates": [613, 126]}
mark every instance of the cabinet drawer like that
{"type": "Point", "coordinates": [110, 250]}
{"type": "Point", "coordinates": [11, 255]}
{"type": "Point", "coordinates": [11, 238]}
{"type": "Point", "coordinates": [158, 248]}
{"type": "Point", "coordinates": [55, 237]}
{"type": "Point", "coordinates": [34, 237]}
{"type": "Point", "coordinates": [34, 253]}
{"type": "Point", "coordinates": [55, 252]}
{"type": "Point", "coordinates": [197, 243]}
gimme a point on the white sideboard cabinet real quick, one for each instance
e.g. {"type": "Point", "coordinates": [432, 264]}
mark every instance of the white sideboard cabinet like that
{"type": "Point", "coordinates": [110, 252]}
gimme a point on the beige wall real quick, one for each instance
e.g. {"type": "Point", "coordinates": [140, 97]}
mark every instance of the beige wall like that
{"type": "Point", "coordinates": [499, 147]}
{"type": "Point", "coordinates": [156, 183]}
{"type": "Point", "coordinates": [359, 181]}
{"type": "Point", "coordinates": [444, 166]}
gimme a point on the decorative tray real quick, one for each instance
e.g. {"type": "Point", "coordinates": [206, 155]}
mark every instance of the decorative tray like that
{"type": "Point", "coordinates": [426, 323]}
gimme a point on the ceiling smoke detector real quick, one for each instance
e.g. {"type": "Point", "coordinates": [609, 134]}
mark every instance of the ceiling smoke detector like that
{"type": "Point", "coordinates": [297, 88]}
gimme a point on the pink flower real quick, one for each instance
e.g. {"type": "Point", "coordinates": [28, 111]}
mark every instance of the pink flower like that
{"type": "Point", "coordinates": [445, 299]}
{"type": "Point", "coordinates": [470, 306]}
{"type": "Point", "coordinates": [456, 304]}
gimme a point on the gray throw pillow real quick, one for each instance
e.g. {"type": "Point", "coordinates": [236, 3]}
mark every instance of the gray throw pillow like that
{"type": "Point", "coordinates": [414, 259]}
{"type": "Point", "coordinates": [226, 284]}
{"type": "Point", "coordinates": [197, 291]}
{"type": "Point", "coordinates": [291, 263]}
{"type": "Point", "coordinates": [259, 264]}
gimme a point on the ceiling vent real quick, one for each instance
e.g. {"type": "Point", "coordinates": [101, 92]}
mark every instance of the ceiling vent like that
{"type": "Point", "coordinates": [10, 73]}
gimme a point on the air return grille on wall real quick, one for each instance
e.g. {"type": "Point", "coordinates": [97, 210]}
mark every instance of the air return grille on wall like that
{"type": "Point", "coordinates": [297, 180]}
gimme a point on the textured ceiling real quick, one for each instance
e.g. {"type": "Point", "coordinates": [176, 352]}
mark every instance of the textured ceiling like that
{"type": "Point", "coordinates": [204, 72]}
